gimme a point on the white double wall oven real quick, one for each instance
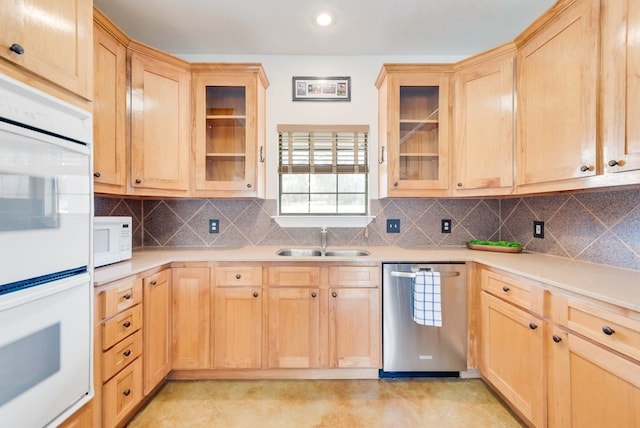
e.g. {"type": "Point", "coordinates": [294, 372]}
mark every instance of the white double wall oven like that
{"type": "Point", "coordinates": [45, 257]}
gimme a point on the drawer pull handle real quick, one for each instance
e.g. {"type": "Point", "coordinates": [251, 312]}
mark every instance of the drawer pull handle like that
{"type": "Point", "coordinates": [556, 338]}
{"type": "Point", "coordinates": [255, 294]}
{"type": "Point", "coordinates": [126, 392]}
{"type": "Point", "coordinates": [313, 294]}
{"type": "Point", "coordinates": [238, 276]}
{"type": "Point", "coordinates": [334, 294]}
{"type": "Point", "coordinates": [127, 352]}
{"type": "Point", "coordinates": [96, 174]}
{"type": "Point", "coordinates": [154, 282]}
{"type": "Point", "coordinates": [505, 289]}
{"type": "Point", "coordinates": [16, 48]}
{"type": "Point", "coordinates": [608, 330]}
{"type": "Point", "coordinates": [138, 181]}
{"type": "Point", "coordinates": [127, 324]}
{"type": "Point", "coordinates": [127, 296]}
{"type": "Point", "coordinates": [532, 326]}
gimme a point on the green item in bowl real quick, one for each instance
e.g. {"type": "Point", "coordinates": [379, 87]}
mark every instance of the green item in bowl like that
{"type": "Point", "coordinates": [512, 244]}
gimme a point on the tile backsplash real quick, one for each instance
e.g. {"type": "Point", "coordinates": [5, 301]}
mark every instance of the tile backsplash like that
{"type": "Point", "coordinates": [600, 227]}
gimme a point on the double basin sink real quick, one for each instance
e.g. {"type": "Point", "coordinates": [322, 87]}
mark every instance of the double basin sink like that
{"type": "Point", "coordinates": [315, 252]}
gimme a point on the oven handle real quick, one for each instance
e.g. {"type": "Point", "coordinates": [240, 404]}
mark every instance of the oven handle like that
{"type": "Point", "coordinates": [413, 275]}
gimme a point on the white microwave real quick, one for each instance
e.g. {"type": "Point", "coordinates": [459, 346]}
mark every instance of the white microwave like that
{"type": "Point", "coordinates": [111, 240]}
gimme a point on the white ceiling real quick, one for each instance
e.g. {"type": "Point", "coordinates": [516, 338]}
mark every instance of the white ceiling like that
{"type": "Point", "coordinates": [286, 27]}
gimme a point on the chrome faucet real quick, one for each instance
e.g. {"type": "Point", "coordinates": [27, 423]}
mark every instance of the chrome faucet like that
{"type": "Point", "coordinates": [323, 239]}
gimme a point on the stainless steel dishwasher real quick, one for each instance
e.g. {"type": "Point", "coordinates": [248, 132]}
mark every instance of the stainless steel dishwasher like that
{"type": "Point", "coordinates": [412, 349]}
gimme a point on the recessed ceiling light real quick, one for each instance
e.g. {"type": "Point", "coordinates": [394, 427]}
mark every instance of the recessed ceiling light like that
{"type": "Point", "coordinates": [324, 19]}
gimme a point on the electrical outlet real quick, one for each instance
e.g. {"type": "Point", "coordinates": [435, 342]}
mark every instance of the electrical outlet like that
{"type": "Point", "coordinates": [538, 229]}
{"type": "Point", "coordinates": [214, 226]}
{"type": "Point", "coordinates": [393, 225]}
{"type": "Point", "coordinates": [446, 226]}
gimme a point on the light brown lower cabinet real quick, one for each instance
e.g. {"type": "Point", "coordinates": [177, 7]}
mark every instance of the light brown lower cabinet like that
{"type": "Point", "coordinates": [191, 315]}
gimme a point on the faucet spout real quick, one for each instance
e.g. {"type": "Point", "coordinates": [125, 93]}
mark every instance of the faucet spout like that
{"type": "Point", "coordinates": [323, 239]}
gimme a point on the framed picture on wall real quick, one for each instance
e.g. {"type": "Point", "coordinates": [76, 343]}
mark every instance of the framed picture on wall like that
{"type": "Point", "coordinates": [308, 88]}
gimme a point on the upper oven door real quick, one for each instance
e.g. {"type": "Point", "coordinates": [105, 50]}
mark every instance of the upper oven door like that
{"type": "Point", "coordinates": [45, 204]}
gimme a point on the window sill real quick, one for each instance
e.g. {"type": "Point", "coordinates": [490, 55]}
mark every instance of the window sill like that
{"type": "Point", "coordinates": [320, 221]}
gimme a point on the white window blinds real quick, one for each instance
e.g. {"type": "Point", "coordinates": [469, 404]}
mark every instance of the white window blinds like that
{"type": "Point", "coordinates": [323, 149]}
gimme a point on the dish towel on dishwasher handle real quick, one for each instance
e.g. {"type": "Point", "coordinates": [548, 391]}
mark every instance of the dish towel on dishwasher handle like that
{"type": "Point", "coordinates": [426, 298]}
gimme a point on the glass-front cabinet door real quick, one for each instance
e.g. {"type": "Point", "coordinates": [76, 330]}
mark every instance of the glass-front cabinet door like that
{"type": "Point", "coordinates": [414, 132]}
{"type": "Point", "coordinates": [229, 132]}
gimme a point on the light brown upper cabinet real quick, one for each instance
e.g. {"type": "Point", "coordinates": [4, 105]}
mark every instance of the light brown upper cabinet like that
{"type": "Point", "coordinates": [620, 85]}
{"type": "Point", "coordinates": [229, 140]}
{"type": "Point", "coordinates": [160, 123]}
{"type": "Point", "coordinates": [57, 48]}
{"type": "Point", "coordinates": [109, 106]}
{"type": "Point", "coordinates": [483, 124]}
{"type": "Point", "coordinates": [413, 130]}
{"type": "Point", "coordinates": [557, 81]}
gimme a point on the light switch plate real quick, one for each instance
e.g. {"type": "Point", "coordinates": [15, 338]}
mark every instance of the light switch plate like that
{"type": "Point", "coordinates": [538, 229]}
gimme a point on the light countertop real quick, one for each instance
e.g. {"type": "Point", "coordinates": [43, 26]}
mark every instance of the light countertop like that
{"type": "Point", "coordinates": [612, 285]}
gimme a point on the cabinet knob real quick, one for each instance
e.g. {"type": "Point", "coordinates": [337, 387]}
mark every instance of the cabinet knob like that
{"type": "Point", "coordinates": [126, 392]}
{"type": "Point", "coordinates": [459, 184]}
{"type": "Point", "coordinates": [96, 174]}
{"type": "Point", "coordinates": [248, 185]}
{"type": "Point", "coordinates": [127, 352]}
{"type": "Point", "coordinates": [127, 296]}
{"type": "Point", "coordinates": [127, 324]}
{"type": "Point", "coordinates": [395, 184]}
{"type": "Point", "coordinates": [154, 282]}
{"type": "Point", "coordinates": [556, 338]}
{"type": "Point", "coordinates": [16, 48]}
{"type": "Point", "coordinates": [505, 289]}
{"type": "Point", "coordinates": [533, 326]}
{"type": "Point", "coordinates": [615, 163]}
{"type": "Point", "coordinates": [608, 330]}
{"type": "Point", "coordinates": [585, 168]}
{"type": "Point", "coordinates": [238, 276]}
{"type": "Point", "coordinates": [255, 294]}
{"type": "Point", "coordinates": [314, 294]}
{"type": "Point", "coordinates": [334, 294]}
{"type": "Point", "coordinates": [138, 181]}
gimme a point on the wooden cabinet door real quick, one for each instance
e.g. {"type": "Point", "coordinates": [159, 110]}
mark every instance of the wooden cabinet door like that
{"type": "Point", "coordinates": [557, 81]}
{"type": "Point", "coordinates": [160, 126]}
{"type": "Point", "coordinates": [294, 327]}
{"type": "Point", "coordinates": [620, 85]}
{"type": "Point", "coordinates": [413, 131]}
{"type": "Point", "coordinates": [591, 386]}
{"type": "Point", "coordinates": [354, 327]}
{"type": "Point", "coordinates": [237, 342]}
{"type": "Point", "coordinates": [109, 112]}
{"type": "Point", "coordinates": [513, 355]}
{"type": "Point", "coordinates": [191, 314]}
{"type": "Point", "coordinates": [484, 132]}
{"type": "Point", "coordinates": [157, 329]}
{"type": "Point", "coordinates": [55, 37]}
{"type": "Point", "coordinates": [229, 120]}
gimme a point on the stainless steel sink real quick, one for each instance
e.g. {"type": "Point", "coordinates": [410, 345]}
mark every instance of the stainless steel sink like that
{"type": "Point", "coordinates": [315, 252]}
{"type": "Point", "coordinates": [346, 253]}
{"type": "Point", "coordinates": [299, 252]}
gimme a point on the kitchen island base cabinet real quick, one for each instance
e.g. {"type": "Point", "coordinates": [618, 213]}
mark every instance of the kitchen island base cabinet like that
{"type": "Point", "coordinates": [191, 315]}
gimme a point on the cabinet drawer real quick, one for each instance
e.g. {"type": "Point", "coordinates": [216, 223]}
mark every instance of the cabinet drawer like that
{"type": "Point", "coordinates": [516, 292]}
{"type": "Point", "coordinates": [299, 276]}
{"type": "Point", "coordinates": [615, 330]}
{"type": "Point", "coordinates": [119, 298]}
{"type": "Point", "coordinates": [238, 275]}
{"type": "Point", "coordinates": [159, 277]}
{"type": "Point", "coordinates": [120, 326]}
{"type": "Point", "coordinates": [354, 276]}
{"type": "Point", "coordinates": [121, 394]}
{"type": "Point", "coordinates": [121, 354]}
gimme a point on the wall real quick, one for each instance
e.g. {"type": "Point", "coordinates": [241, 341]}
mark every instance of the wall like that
{"type": "Point", "coordinates": [600, 227]}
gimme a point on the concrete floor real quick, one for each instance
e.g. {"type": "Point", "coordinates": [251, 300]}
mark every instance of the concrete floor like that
{"type": "Point", "coordinates": [326, 403]}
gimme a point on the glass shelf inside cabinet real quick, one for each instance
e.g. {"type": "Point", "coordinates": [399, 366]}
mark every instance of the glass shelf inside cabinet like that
{"type": "Point", "coordinates": [419, 137]}
{"type": "Point", "coordinates": [226, 133]}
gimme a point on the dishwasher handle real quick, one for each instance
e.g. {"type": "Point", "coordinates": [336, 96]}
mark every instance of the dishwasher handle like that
{"type": "Point", "coordinates": [413, 274]}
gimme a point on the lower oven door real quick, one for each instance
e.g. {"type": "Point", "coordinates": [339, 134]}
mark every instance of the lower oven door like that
{"type": "Point", "coordinates": [45, 352]}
